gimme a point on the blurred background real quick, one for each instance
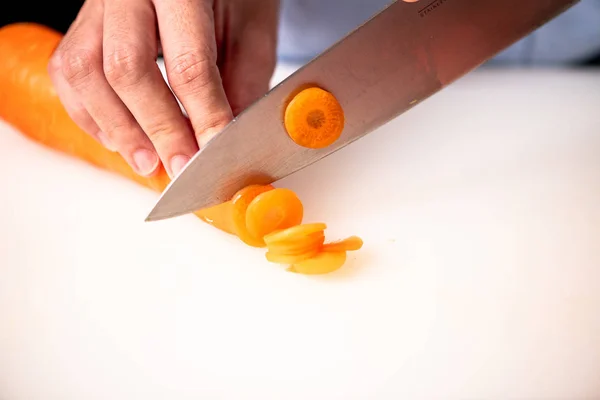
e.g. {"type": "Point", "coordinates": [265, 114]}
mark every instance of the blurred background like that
{"type": "Point", "coordinates": [307, 27]}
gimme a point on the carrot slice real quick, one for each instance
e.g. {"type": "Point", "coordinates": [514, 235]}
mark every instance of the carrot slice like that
{"type": "Point", "coordinates": [294, 232]}
{"type": "Point", "coordinates": [322, 263]}
{"type": "Point", "coordinates": [273, 210]}
{"type": "Point", "coordinates": [219, 216]}
{"type": "Point", "coordinates": [351, 243]}
{"type": "Point", "coordinates": [298, 246]}
{"type": "Point", "coordinates": [314, 118]}
{"type": "Point", "coordinates": [291, 259]}
{"type": "Point", "coordinates": [240, 202]}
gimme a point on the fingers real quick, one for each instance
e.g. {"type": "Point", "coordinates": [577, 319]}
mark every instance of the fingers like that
{"type": "Point", "coordinates": [106, 75]}
{"type": "Point", "coordinates": [79, 78]}
{"type": "Point", "coordinates": [130, 48]}
{"type": "Point", "coordinates": [187, 35]}
{"type": "Point", "coordinates": [76, 111]}
{"type": "Point", "coordinates": [74, 108]}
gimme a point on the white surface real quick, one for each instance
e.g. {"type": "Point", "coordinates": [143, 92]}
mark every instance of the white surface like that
{"type": "Point", "coordinates": [479, 278]}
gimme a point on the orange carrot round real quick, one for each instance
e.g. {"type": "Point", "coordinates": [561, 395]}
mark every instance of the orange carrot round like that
{"type": "Point", "coordinates": [352, 243]}
{"type": "Point", "coordinates": [294, 232]}
{"type": "Point", "coordinates": [240, 202]}
{"type": "Point", "coordinates": [290, 258]}
{"type": "Point", "coordinates": [273, 210]}
{"type": "Point", "coordinates": [28, 102]}
{"type": "Point", "coordinates": [314, 118]}
{"type": "Point", "coordinates": [300, 245]}
{"type": "Point", "coordinates": [322, 263]}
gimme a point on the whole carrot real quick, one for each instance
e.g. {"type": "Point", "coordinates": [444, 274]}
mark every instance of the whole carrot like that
{"type": "Point", "coordinates": [29, 102]}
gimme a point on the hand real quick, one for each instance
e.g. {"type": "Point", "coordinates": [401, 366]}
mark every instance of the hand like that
{"type": "Point", "coordinates": [219, 57]}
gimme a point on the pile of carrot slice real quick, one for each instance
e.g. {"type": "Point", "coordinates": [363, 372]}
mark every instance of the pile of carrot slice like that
{"type": "Point", "coordinates": [267, 217]}
{"type": "Point", "coordinates": [260, 215]}
{"type": "Point", "coordinates": [263, 216]}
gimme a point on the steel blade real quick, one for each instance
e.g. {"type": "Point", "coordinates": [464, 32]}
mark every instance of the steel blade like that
{"type": "Point", "coordinates": [398, 58]}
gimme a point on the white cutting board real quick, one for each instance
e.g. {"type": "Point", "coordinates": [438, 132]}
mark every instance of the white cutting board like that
{"type": "Point", "coordinates": [479, 278]}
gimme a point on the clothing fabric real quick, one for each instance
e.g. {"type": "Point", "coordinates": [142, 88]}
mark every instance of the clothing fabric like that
{"type": "Point", "coordinates": [309, 27]}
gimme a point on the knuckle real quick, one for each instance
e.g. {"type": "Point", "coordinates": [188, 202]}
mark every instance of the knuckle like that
{"type": "Point", "coordinates": [125, 66]}
{"type": "Point", "coordinates": [80, 116]}
{"type": "Point", "coordinates": [54, 65]}
{"type": "Point", "coordinates": [76, 65]}
{"type": "Point", "coordinates": [82, 119]}
{"type": "Point", "coordinates": [216, 121]}
{"type": "Point", "coordinates": [160, 132]}
{"type": "Point", "coordinates": [123, 131]}
{"type": "Point", "coordinates": [191, 71]}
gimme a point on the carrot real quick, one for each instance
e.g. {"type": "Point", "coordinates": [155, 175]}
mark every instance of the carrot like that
{"type": "Point", "coordinates": [260, 216]}
{"type": "Point", "coordinates": [240, 202]}
{"type": "Point", "coordinates": [294, 232]}
{"type": "Point", "coordinates": [322, 263]}
{"type": "Point", "coordinates": [352, 243]}
{"type": "Point", "coordinates": [299, 245]}
{"type": "Point", "coordinates": [29, 102]}
{"type": "Point", "coordinates": [291, 258]}
{"type": "Point", "coordinates": [272, 210]}
{"type": "Point", "coordinates": [314, 118]}
{"type": "Point", "coordinates": [219, 216]}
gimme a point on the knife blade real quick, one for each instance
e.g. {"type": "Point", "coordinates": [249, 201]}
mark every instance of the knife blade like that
{"type": "Point", "coordinates": [401, 56]}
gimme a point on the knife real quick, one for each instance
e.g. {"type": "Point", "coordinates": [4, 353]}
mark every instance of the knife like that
{"type": "Point", "coordinates": [398, 58]}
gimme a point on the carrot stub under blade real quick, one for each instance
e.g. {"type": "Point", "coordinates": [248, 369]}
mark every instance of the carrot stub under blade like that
{"type": "Point", "coordinates": [219, 216]}
{"type": "Point", "coordinates": [240, 202]}
{"type": "Point", "coordinates": [314, 118]}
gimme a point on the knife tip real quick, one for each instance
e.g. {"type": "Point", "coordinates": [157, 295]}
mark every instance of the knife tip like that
{"type": "Point", "coordinates": [157, 215]}
{"type": "Point", "coordinates": [154, 217]}
{"type": "Point", "coordinates": [162, 211]}
{"type": "Point", "coordinates": [151, 218]}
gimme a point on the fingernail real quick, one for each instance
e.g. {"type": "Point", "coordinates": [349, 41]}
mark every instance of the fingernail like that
{"type": "Point", "coordinates": [177, 164]}
{"type": "Point", "coordinates": [105, 141]}
{"type": "Point", "coordinates": [145, 161]}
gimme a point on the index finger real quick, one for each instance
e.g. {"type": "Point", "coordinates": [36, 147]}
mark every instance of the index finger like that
{"type": "Point", "coordinates": [187, 34]}
{"type": "Point", "coordinates": [130, 49]}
